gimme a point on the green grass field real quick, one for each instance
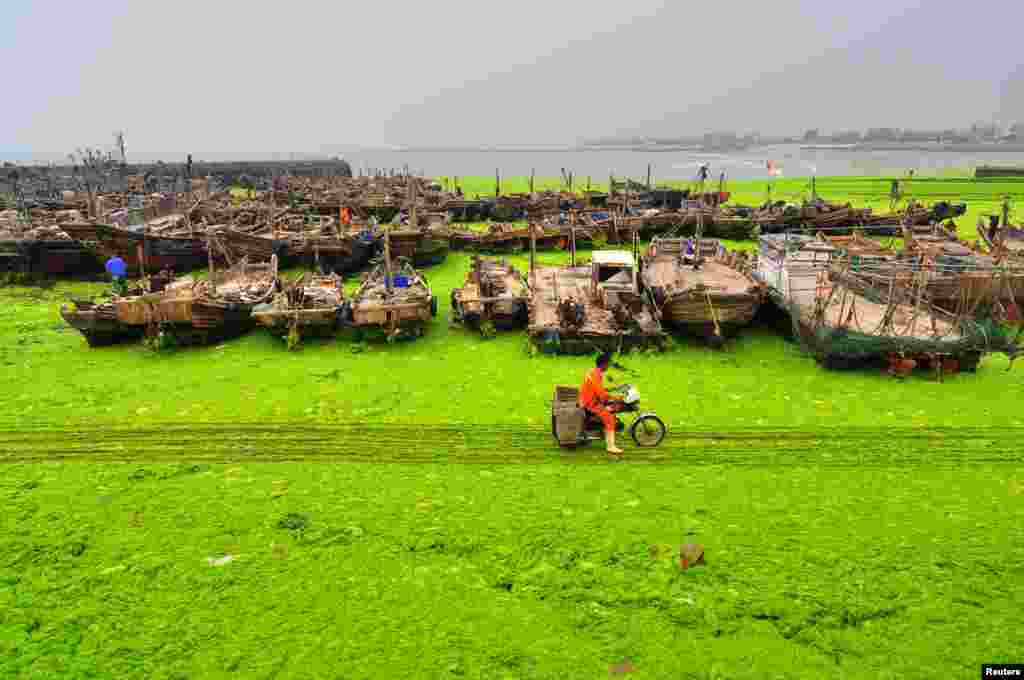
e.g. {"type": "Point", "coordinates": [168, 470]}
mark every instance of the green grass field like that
{"type": "Point", "coordinates": [402, 510]}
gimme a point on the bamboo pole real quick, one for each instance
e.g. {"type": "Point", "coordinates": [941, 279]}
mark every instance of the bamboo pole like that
{"type": "Point", "coordinates": [412, 207]}
{"type": "Point", "coordinates": [572, 243]}
{"type": "Point", "coordinates": [387, 258]}
{"type": "Point", "coordinates": [533, 257]}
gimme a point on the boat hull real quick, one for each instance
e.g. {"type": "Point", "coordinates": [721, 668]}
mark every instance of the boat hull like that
{"type": "Point", "coordinates": [181, 254]}
{"type": "Point", "coordinates": [99, 328]}
{"type": "Point", "coordinates": [691, 313]}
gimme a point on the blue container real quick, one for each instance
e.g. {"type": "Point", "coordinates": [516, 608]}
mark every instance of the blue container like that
{"type": "Point", "coordinates": [401, 281]}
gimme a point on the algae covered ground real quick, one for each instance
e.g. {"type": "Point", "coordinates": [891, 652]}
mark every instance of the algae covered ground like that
{"type": "Point", "coordinates": [361, 510]}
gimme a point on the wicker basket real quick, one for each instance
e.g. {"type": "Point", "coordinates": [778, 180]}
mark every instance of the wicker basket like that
{"type": "Point", "coordinates": [567, 414]}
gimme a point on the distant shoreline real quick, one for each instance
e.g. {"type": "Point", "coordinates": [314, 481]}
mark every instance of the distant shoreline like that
{"type": "Point", "coordinates": [920, 148]}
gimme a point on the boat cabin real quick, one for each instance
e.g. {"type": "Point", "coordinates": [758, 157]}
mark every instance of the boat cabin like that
{"type": "Point", "coordinates": [789, 264]}
{"type": "Point", "coordinates": [613, 277]}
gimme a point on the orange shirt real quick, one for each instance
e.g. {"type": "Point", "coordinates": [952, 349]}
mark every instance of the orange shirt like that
{"type": "Point", "coordinates": [592, 393]}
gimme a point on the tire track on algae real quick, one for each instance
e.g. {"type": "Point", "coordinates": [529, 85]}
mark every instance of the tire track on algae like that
{"type": "Point", "coordinates": [496, 444]}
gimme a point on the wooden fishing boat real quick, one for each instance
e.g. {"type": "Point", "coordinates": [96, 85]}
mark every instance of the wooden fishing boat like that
{"type": "Point", "coordinates": [1002, 240]}
{"type": "Point", "coordinates": [422, 246]}
{"type": "Point", "coordinates": [310, 305]}
{"type": "Point", "coordinates": [463, 239]}
{"type": "Point", "coordinates": [846, 319]}
{"type": "Point", "coordinates": [98, 323]}
{"type": "Point", "coordinates": [699, 288]}
{"type": "Point", "coordinates": [190, 311]}
{"type": "Point", "coordinates": [14, 257]}
{"type": "Point", "coordinates": [505, 237]}
{"type": "Point", "coordinates": [258, 246]}
{"type": "Point", "coordinates": [494, 295]}
{"type": "Point", "coordinates": [600, 305]}
{"type": "Point", "coordinates": [953, 276]}
{"type": "Point", "coordinates": [394, 298]}
{"type": "Point", "coordinates": [341, 254]}
{"type": "Point", "coordinates": [61, 257]}
{"type": "Point", "coordinates": [180, 253]}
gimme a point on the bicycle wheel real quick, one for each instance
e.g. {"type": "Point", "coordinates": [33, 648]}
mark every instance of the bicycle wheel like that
{"type": "Point", "coordinates": [647, 431]}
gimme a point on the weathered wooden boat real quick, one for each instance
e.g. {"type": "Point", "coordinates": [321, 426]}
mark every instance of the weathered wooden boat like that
{"type": "Point", "coordinates": [311, 305]}
{"type": "Point", "coordinates": [190, 311]}
{"type": "Point", "coordinates": [1002, 240]}
{"type": "Point", "coordinates": [577, 309]}
{"type": "Point", "coordinates": [394, 298]}
{"type": "Point", "coordinates": [341, 254]}
{"type": "Point", "coordinates": [844, 319]}
{"type": "Point", "coordinates": [463, 239]}
{"type": "Point", "coordinates": [699, 287]}
{"type": "Point", "coordinates": [716, 222]}
{"type": "Point", "coordinates": [422, 246]}
{"type": "Point", "coordinates": [505, 237]}
{"type": "Point", "coordinates": [494, 295]}
{"type": "Point", "coordinates": [811, 215]}
{"type": "Point", "coordinates": [98, 322]}
{"type": "Point", "coordinates": [51, 257]}
{"type": "Point", "coordinates": [258, 246]}
{"type": "Point", "coordinates": [14, 256]}
{"type": "Point", "coordinates": [954, 277]}
{"type": "Point", "coordinates": [180, 253]}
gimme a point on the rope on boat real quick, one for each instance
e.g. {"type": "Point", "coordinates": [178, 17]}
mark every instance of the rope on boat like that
{"type": "Point", "coordinates": [714, 314]}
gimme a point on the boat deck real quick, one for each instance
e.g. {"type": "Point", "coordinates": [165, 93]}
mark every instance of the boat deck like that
{"type": "Point", "coordinates": [718, 278]}
{"type": "Point", "coordinates": [555, 284]}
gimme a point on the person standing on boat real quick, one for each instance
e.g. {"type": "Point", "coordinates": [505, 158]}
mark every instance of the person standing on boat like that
{"type": "Point", "coordinates": [594, 397]}
{"type": "Point", "coordinates": [119, 275]}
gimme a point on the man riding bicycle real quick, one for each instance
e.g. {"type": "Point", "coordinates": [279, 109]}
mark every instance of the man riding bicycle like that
{"type": "Point", "coordinates": [594, 398]}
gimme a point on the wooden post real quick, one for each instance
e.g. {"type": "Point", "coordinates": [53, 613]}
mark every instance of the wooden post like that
{"type": "Point", "coordinates": [572, 243]}
{"type": "Point", "coordinates": [140, 252]}
{"type": "Point", "coordinates": [532, 171]}
{"type": "Point", "coordinates": [636, 248]}
{"type": "Point", "coordinates": [533, 256]}
{"type": "Point", "coordinates": [209, 256]}
{"type": "Point", "coordinates": [412, 207]}
{"type": "Point", "coordinates": [648, 176]}
{"type": "Point", "coordinates": [497, 183]}
{"type": "Point", "coordinates": [387, 258]}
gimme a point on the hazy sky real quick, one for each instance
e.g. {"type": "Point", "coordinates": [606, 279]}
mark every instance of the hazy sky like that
{"type": "Point", "coordinates": [224, 76]}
